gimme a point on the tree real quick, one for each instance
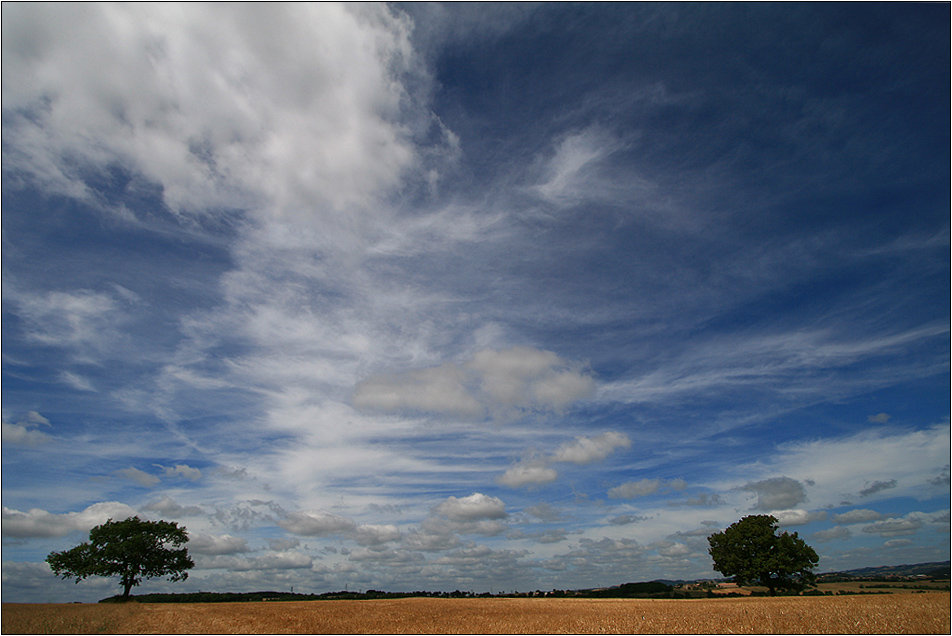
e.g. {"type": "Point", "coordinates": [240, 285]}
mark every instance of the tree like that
{"type": "Point", "coordinates": [131, 549]}
{"type": "Point", "coordinates": [752, 552]}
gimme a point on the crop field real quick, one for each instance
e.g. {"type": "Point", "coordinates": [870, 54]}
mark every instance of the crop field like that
{"type": "Point", "coordinates": [924, 613]}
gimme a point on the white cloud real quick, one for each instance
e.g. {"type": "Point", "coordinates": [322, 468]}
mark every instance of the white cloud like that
{"type": "Point", "coordinates": [776, 362]}
{"type": "Point", "coordinates": [214, 544]}
{"type": "Point", "coordinates": [315, 524]}
{"type": "Point", "coordinates": [139, 476]}
{"type": "Point", "coordinates": [786, 518]}
{"type": "Point", "coordinates": [910, 524]}
{"type": "Point", "coordinates": [644, 487]}
{"type": "Point", "coordinates": [37, 523]}
{"type": "Point", "coordinates": [585, 450]}
{"type": "Point", "coordinates": [528, 474]}
{"type": "Point", "coordinates": [840, 468]}
{"type": "Point", "coordinates": [21, 434]}
{"type": "Point", "coordinates": [77, 381]}
{"type": "Point", "coordinates": [289, 560]}
{"type": "Point", "coordinates": [503, 383]}
{"type": "Point", "coordinates": [776, 493]}
{"type": "Point", "coordinates": [435, 390]}
{"type": "Point", "coordinates": [942, 478]}
{"type": "Point", "coordinates": [431, 538]}
{"type": "Point", "coordinates": [632, 489]}
{"type": "Point", "coordinates": [578, 171]}
{"type": "Point", "coordinates": [674, 549]}
{"type": "Point", "coordinates": [188, 97]}
{"type": "Point", "coordinates": [371, 534]}
{"type": "Point", "coordinates": [35, 418]}
{"type": "Point", "coordinates": [833, 534]}
{"type": "Point", "coordinates": [168, 507]}
{"type": "Point", "coordinates": [84, 320]}
{"type": "Point", "coordinates": [524, 377]}
{"type": "Point", "coordinates": [857, 515]}
{"type": "Point", "coordinates": [624, 520]}
{"type": "Point", "coordinates": [182, 470]}
{"type": "Point", "coordinates": [877, 486]}
{"type": "Point", "coordinates": [475, 507]}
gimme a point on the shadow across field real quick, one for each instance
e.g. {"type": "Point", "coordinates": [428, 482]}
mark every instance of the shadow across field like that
{"type": "Point", "coordinates": [894, 614]}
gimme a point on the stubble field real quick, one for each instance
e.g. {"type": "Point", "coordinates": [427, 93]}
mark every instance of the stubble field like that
{"type": "Point", "coordinates": [926, 613]}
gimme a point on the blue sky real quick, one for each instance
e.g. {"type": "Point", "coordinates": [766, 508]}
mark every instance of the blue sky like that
{"type": "Point", "coordinates": [502, 297]}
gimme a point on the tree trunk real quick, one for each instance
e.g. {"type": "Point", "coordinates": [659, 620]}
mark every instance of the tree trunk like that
{"type": "Point", "coordinates": [128, 587]}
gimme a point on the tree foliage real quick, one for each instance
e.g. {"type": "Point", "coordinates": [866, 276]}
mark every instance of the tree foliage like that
{"type": "Point", "coordinates": [132, 549]}
{"type": "Point", "coordinates": [752, 552]}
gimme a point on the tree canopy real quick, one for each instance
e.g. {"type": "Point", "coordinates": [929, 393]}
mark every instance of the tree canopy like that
{"type": "Point", "coordinates": [132, 549]}
{"type": "Point", "coordinates": [751, 551]}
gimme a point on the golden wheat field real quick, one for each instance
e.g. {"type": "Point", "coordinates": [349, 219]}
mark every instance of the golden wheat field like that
{"type": "Point", "coordinates": [879, 614]}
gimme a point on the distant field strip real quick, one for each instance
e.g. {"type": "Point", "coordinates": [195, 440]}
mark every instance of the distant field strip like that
{"type": "Point", "coordinates": [926, 613]}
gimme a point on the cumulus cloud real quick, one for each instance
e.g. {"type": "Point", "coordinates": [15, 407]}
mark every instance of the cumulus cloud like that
{"type": "Point", "coordinates": [943, 478]}
{"type": "Point", "coordinates": [503, 384]}
{"type": "Point", "coordinates": [186, 97]}
{"type": "Point", "coordinates": [582, 450]}
{"type": "Point", "coordinates": [431, 537]}
{"type": "Point", "coordinates": [22, 434]}
{"type": "Point", "coordinates": [475, 514]}
{"type": "Point", "coordinates": [877, 486]}
{"type": "Point", "coordinates": [703, 499]}
{"type": "Point", "coordinates": [168, 507]}
{"type": "Point", "coordinates": [624, 520]}
{"type": "Point", "coordinates": [182, 470]}
{"type": "Point", "coordinates": [585, 450]}
{"type": "Point", "coordinates": [37, 523]}
{"type": "Point", "coordinates": [833, 534]}
{"type": "Point", "coordinates": [544, 511]}
{"type": "Point", "coordinates": [777, 493]}
{"type": "Point", "coordinates": [475, 507]}
{"type": "Point", "coordinates": [870, 461]}
{"type": "Point", "coordinates": [798, 517]}
{"type": "Point", "coordinates": [672, 549]}
{"type": "Point", "coordinates": [435, 390]}
{"type": "Point", "coordinates": [857, 515]}
{"type": "Point", "coordinates": [315, 524]}
{"type": "Point", "coordinates": [645, 487]}
{"type": "Point", "coordinates": [894, 527]}
{"type": "Point", "coordinates": [212, 544]}
{"type": "Point", "coordinates": [139, 476]}
{"type": "Point", "coordinates": [280, 545]}
{"type": "Point", "coordinates": [370, 534]}
{"type": "Point", "coordinates": [908, 524]}
{"type": "Point", "coordinates": [279, 561]}
{"type": "Point", "coordinates": [147, 479]}
{"type": "Point", "coordinates": [879, 418]}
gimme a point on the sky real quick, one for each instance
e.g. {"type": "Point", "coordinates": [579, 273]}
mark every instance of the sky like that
{"type": "Point", "coordinates": [473, 297]}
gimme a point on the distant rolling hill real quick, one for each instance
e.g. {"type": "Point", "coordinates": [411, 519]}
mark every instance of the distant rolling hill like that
{"type": "Point", "coordinates": [934, 568]}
